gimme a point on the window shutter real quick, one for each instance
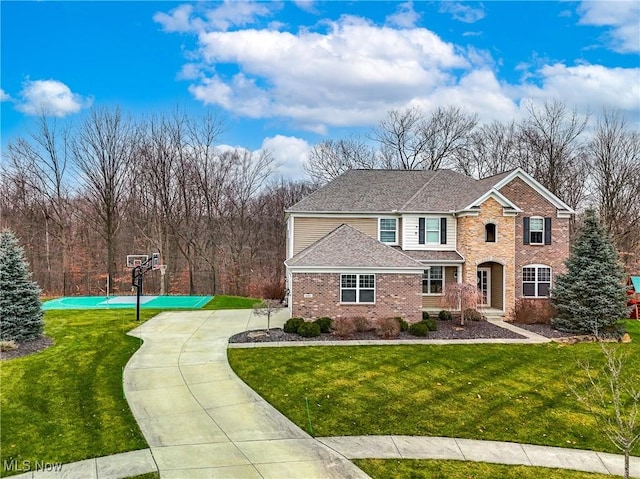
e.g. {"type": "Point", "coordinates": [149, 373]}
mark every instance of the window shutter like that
{"type": "Point", "coordinates": [443, 230]}
{"type": "Point", "coordinates": [547, 231]}
{"type": "Point", "coordinates": [421, 227]}
{"type": "Point", "coordinates": [525, 230]}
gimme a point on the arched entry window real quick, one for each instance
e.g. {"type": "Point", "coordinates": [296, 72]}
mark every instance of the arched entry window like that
{"type": "Point", "coordinates": [490, 233]}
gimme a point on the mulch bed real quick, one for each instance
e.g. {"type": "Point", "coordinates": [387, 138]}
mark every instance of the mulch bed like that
{"type": "Point", "coordinates": [544, 330]}
{"type": "Point", "coordinates": [27, 348]}
{"type": "Point", "coordinates": [446, 330]}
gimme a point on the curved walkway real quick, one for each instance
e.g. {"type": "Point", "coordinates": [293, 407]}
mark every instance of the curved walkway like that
{"type": "Point", "coordinates": [200, 420]}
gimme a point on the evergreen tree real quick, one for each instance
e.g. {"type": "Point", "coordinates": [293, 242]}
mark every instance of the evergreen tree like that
{"type": "Point", "coordinates": [20, 307]}
{"type": "Point", "coordinates": [591, 295]}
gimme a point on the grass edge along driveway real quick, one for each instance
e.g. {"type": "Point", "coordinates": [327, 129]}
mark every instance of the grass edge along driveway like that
{"type": "Point", "coordinates": [513, 392]}
{"type": "Point", "coordinates": [66, 403]}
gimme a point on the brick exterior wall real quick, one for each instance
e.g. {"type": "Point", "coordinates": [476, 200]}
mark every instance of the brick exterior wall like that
{"type": "Point", "coordinates": [396, 295]}
{"type": "Point", "coordinates": [552, 255]}
{"type": "Point", "coordinates": [473, 247]}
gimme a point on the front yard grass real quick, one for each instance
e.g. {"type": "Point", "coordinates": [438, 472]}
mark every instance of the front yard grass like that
{"type": "Point", "coordinates": [429, 469]}
{"type": "Point", "coordinates": [66, 403]}
{"type": "Point", "coordinates": [231, 302]}
{"type": "Point", "coordinates": [511, 392]}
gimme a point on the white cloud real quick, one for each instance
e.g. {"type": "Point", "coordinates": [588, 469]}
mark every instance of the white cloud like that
{"type": "Point", "coordinates": [4, 96]}
{"type": "Point", "coordinates": [50, 97]}
{"type": "Point", "coordinates": [307, 6]}
{"type": "Point", "coordinates": [289, 153]}
{"type": "Point", "coordinates": [622, 16]}
{"type": "Point", "coordinates": [405, 16]}
{"type": "Point", "coordinates": [463, 13]}
{"type": "Point", "coordinates": [229, 14]}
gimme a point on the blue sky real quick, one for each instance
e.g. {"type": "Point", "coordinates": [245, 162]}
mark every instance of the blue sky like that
{"type": "Point", "coordinates": [289, 74]}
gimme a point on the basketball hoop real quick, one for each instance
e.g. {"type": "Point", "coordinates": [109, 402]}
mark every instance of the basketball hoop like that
{"type": "Point", "coordinates": [162, 268]}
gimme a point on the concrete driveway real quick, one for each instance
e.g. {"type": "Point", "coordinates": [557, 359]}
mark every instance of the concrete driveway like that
{"type": "Point", "coordinates": [201, 420]}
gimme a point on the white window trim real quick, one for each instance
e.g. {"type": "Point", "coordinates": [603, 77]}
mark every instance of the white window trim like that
{"type": "Point", "coordinates": [396, 242]}
{"type": "Point", "coordinates": [429, 281]}
{"type": "Point", "coordinates": [531, 231]}
{"type": "Point", "coordinates": [537, 282]}
{"type": "Point", "coordinates": [495, 232]}
{"type": "Point", "coordinates": [357, 288]}
{"type": "Point", "coordinates": [426, 219]}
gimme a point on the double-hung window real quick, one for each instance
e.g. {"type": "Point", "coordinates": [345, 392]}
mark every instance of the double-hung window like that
{"type": "Point", "coordinates": [536, 281]}
{"type": "Point", "coordinates": [357, 288]}
{"type": "Point", "coordinates": [432, 280]}
{"type": "Point", "coordinates": [388, 230]}
{"type": "Point", "coordinates": [536, 230]}
{"type": "Point", "coordinates": [429, 230]}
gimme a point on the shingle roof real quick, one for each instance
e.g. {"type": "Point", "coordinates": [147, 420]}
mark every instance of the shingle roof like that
{"type": "Point", "coordinates": [396, 190]}
{"type": "Point", "coordinates": [346, 247]}
{"type": "Point", "coordinates": [434, 256]}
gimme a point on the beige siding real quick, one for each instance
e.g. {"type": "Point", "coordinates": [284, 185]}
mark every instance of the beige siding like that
{"type": "Point", "coordinates": [434, 302]}
{"type": "Point", "coordinates": [496, 286]}
{"type": "Point", "coordinates": [307, 231]}
{"type": "Point", "coordinates": [410, 233]}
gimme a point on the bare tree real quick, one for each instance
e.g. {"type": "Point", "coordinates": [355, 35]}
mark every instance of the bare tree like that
{"type": "Point", "coordinates": [103, 152]}
{"type": "Point", "coordinates": [462, 296]}
{"type": "Point", "coordinates": [492, 149]}
{"type": "Point", "coordinates": [330, 158]}
{"type": "Point", "coordinates": [268, 308]}
{"type": "Point", "coordinates": [552, 150]}
{"type": "Point", "coordinates": [410, 140]}
{"type": "Point", "coordinates": [614, 156]}
{"type": "Point", "coordinates": [611, 397]}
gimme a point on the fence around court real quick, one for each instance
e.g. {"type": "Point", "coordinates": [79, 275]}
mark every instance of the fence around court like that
{"type": "Point", "coordinates": [91, 283]}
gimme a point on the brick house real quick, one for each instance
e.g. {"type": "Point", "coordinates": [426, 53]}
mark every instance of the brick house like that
{"type": "Point", "coordinates": [380, 243]}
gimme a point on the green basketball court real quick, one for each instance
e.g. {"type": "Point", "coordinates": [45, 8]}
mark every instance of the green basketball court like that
{"type": "Point", "coordinates": [127, 302]}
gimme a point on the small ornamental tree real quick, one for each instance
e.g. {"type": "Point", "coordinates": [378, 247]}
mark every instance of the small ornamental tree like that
{"type": "Point", "coordinates": [591, 296]}
{"type": "Point", "coordinates": [267, 307]}
{"type": "Point", "coordinates": [20, 307]}
{"type": "Point", "coordinates": [463, 296]}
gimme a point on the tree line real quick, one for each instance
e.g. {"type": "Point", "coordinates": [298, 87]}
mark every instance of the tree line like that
{"type": "Point", "coordinates": [80, 198]}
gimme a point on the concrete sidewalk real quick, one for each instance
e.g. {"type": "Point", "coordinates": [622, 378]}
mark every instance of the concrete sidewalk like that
{"type": "Point", "coordinates": [201, 420]}
{"type": "Point", "coordinates": [413, 447]}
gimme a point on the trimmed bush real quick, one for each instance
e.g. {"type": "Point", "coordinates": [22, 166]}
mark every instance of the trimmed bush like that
{"type": "Point", "coordinates": [419, 329]}
{"type": "Point", "coordinates": [431, 324]}
{"type": "Point", "coordinates": [532, 311]}
{"type": "Point", "coordinates": [404, 326]}
{"type": "Point", "coordinates": [324, 323]}
{"type": "Point", "coordinates": [361, 324]}
{"type": "Point", "coordinates": [292, 325]}
{"type": "Point", "coordinates": [388, 328]}
{"type": "Point", "coordinates": [343, 327]}
{"type": "Point", "coordinates": [425, 315]}
{"type": "Point", "coordinates": [445, 315]}
{"type": "Point", "coordinates": [471, 314]}
{"type": "Point", "coordinates": [309, 330]}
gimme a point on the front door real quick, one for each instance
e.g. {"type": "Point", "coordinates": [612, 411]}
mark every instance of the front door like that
{"type": "Point", "coordinates": [484, 285]}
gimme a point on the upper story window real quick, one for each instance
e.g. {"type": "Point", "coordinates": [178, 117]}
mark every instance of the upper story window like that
{"type": "Point", "coordinates": [536, 281]}
{"type": "Point", "coordinates": [490, 233]}
{"type": "Point", "coordinates": [432, 230]}
{"type": "Point", "coordinates": [536, 230]}
{"type": "Point", "coordinates": [388, 230]}
{"type": "Point", "coordinates": [357, 288]}
{"type": "Point", "coordinates": [432, 280]}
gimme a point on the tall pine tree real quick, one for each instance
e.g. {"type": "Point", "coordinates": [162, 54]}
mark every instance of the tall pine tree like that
{"type": "Point", "coordinates": [590, 297]}
{"type": "Point", "coordinates": [20, 307]}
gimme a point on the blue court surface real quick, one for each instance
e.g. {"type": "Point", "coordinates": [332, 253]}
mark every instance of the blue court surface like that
{"type": "Point", "coordinates": [127, 302]}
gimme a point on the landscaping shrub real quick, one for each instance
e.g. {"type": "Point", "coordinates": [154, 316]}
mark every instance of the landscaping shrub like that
{"type": "Point", "coordinates": [309, 330]}
{"type": "Point", "coordinates": [324, 323]}
{"type": "Point", "coordinates": [292, 325]}
{"type": "Point", "coordinates": [273, 291]}
{"type": "Point", "coordinates": [431, 324]}
{"type": "Point", "coordinates": [425, 315]}
{"type": "Point", "coordinates": [471, 314]}
{"type": "Point", "coordinates": [532, 311]}
{"type": "Point", "coordinates": [404, 326]}
{"type": "Point", "coordinates": [419, 329]}
{"type": "Point", "coordinates": [445, 315]}
{"type": "Point", "coordinates": [343, 327]}
{"type": "Point", "coordinates": [388, 328]}
{"type": "Point", "coordinates": [361, 324]}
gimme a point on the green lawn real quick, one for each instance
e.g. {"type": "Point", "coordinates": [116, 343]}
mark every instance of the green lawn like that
{"type": "Point", "coordinates": [509, 392]}
{"type": "Point", "coordinates": [66, 403]}
{"type": "Point", "coordinates": [231, 302]}
{"type": "Point", "coordinates": [427, 469]}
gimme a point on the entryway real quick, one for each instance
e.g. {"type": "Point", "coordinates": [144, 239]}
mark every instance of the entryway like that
{"type": "Point", "coordinates": [490, 282]}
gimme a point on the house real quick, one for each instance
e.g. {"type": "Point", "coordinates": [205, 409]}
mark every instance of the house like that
{"type": "Point", "coordinates": [386, 243]}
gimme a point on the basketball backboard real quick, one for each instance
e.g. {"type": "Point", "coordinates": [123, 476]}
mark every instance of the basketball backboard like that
{"type": "Point", "coordinates": [134, 260]}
